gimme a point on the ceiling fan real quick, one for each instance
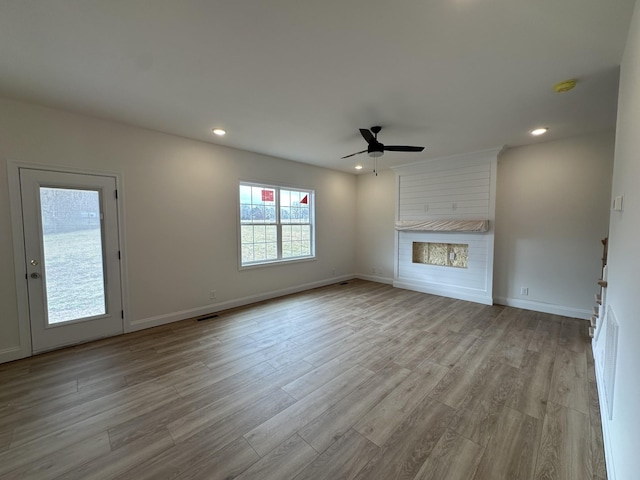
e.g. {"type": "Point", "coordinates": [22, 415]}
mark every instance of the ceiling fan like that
{"type": "Point", "coordinates": [377, 149]}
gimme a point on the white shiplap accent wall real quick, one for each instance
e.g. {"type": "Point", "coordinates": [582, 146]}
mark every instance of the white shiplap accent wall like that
{"type": "Point", "coordinates": [453, 188]}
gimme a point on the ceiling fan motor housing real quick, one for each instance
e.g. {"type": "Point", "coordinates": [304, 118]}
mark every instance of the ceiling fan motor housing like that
{"type": "Point", "coordinates": [375, 150]}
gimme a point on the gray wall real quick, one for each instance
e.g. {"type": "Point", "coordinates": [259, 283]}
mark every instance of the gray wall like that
{"type": "Point", "coordinates": [622, 433]}
{"type": "Point", "coordinates": [552, 210]}
{"type": "Point", "coordinates": [180, 212]}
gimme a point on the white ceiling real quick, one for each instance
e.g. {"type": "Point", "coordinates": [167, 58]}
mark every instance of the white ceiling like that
{"type": "Point", "coordinates": [296, 79]}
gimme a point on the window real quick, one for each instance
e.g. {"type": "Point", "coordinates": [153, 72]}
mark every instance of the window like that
{"type": "Point", "coordinates": [276, 224]}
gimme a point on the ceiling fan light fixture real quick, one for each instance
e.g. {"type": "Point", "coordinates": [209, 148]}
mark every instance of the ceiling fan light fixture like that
{"type": "Point", "coordinates": [375, 153]}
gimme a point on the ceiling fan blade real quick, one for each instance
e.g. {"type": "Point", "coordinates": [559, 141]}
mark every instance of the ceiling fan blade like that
{"type": "Point", "coordinates": [402, 148]}
{"type": "Point", "coordinates": [368, 136]}
{"type": "Point", "coordinates": [357, 153]}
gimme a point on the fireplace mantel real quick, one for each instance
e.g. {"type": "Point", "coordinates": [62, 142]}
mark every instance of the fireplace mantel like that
{"type": "Point", "coordinates": [443, 225]}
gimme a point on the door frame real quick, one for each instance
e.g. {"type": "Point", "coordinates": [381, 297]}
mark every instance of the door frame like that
{"type": "Point", "coordinates": [15, 203]}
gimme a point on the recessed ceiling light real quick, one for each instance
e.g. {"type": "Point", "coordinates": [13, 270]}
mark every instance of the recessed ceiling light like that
{"type": "Point", "coordinates": [218, 131]}
{"type": "Point", "coordinates": [358, 167]}
{"type": "Point", "coordinates": [539, 131]}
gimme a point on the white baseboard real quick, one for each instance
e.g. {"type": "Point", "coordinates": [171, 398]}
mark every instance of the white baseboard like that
{"type": "Point", "coordinates": [545, 307]}
{"type": "Point", "coordinates": [10, 354]}
{"type": "Point", "coordinates": [149, 322]}
{"type": "Point", "coordinates": [375, 278]}
{"type": "Point", "coordinates": [446, 291]}
{"type": "Point", "coordinates": [606, 438]}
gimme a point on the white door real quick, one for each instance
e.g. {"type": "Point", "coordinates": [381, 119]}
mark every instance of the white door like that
{"type": "Point", "coordinates": [72, 257]}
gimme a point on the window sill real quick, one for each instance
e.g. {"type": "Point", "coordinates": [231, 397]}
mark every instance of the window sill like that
{"type": "Point", "coordinates": [273, 263]}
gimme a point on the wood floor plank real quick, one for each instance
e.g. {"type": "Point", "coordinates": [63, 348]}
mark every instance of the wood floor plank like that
{"type": "Point", "coordinates": [232, 460]}
{"type": "Point", "coordinates": [546, 335]}
{"type": "Point", "coordinates": [55, 464]}
{"type": "Point", "coordinates": [203, 447]}
{"type": "Point", "coordinates": [333, 351]}
{"type": "Point", "coordinates": [195, 420]}
{"type": "Point", "coordinates": [513, 449]}
{"type": "Point", "coordinates": [115, 462]}
{"type": "Point", "coordinates": [285, 461]}
{"type": "Point", "coordinates": [565, 445]}
{"type": "Point", "coordinates": [514, 345]}
{"type": "Point", "coordinates": [455, 385]}
{"type": "Point", "coordinates": [383, 419]}
{"type": "Point", "coordinates": [598, 465]}
{"type": "Point", "coordinates": [343, 459]}
{"type": "Point", "coordinates": [573, 335]}
{"type": "Point", "coordinates": [5, 438]}
{"type": "Point", "coordinates": [68, 435]}
{"type": "Point", "coordinates": [40, 393]}
{"type": "Point", "coordinates": [161, 417]}
{"type": "Point", "coordinates": [203, 383]}
{"type": "Point", "coordinates": [275, 430]}
{"type": "Point", "coordinates": [453, 458]}
{"type": "Point", "coordinates": [124, 399]}
{"type": "Point", "coordinates": [304, 385]}
{"type": "Point", "coordinates": [477, 417]}
{"type": "Point", "coordinates": [339, 418]}
{"type": "Point", "coordinates": [409, 446]}
{"type": "Point", "coordinates": [531, 389]}
{"type": "Point", "coordinates": [569, 380]}
{"type": "Point", "coordinates": [448, 351]}
{"type": "Point", "coordinates": [177, 461]}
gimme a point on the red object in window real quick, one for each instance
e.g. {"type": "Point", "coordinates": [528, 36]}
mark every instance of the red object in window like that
{"type": "Point", "coordinates": [305, 200]}
{"type": "Point", "coordinates": [267, 195]}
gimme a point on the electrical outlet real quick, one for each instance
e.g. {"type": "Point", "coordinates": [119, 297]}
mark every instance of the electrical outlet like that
{"type": "Point", "coordinates": [524, 290]}
{"type": "Point", "coordinates": [212, 295]}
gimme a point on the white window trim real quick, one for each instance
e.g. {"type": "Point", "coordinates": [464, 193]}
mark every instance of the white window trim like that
{"type": "Point", "coordinates": [312, 222]}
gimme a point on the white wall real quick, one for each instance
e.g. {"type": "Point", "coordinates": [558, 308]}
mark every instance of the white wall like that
{"type": "Point", "coordinates": [622, 433]}
{"type": "Point", "coordinates": [180, 200]}
{"type": "Point", "coordinates": [552, 211]}
{"type": "Point", "coordinates": [376, 226]}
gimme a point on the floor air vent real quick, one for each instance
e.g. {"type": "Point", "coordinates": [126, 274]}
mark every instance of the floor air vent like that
{"type": "Point", "coordinates": [208, 317]}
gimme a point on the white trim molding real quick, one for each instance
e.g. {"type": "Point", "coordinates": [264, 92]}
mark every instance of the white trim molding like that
{"type": "Point", "coordinates": [468, 294]}
{"type": "Point", "coordinates": [375, 278]}
{"type": "Point", "coordinates": [10, 354]}
{"type": "Point", "coordinates": [563, 310]}
{"type": "Point", "coordinates": [150, 322]}
{"type": "Point", "coordinates": [604, 420]}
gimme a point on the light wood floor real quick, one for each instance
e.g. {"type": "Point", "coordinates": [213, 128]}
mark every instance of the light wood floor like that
{"type": "Point", "coordinates": [357, 381]}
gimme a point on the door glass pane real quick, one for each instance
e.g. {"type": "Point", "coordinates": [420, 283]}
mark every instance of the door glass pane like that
{"type": "Point", "coordinates": [73, 259]}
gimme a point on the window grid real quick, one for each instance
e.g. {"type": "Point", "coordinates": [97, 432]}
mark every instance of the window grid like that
{"type": "Point", "coordinates": [276, 224]}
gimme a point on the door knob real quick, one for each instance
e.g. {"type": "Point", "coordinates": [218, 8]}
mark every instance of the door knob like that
{"type": "Point", "coordinates": [35, 275]}
{"type": "Point", "coordinates": [34, 262]}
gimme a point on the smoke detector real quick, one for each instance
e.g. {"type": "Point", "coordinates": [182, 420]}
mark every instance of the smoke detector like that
{"type": "Point", "coordinates": [564, 86]}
